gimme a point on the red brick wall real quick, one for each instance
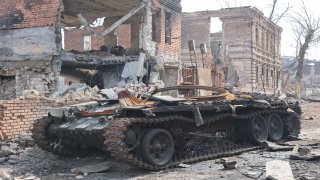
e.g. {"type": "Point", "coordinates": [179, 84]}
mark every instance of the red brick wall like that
{"type": "Point", "coordinates": [28, 13]}
{"type": "Point", "coordinates": [18, 116]}
{"type": "Point", "coordinates": [171, 52]}
{"type": "Point", "coordinates": [124, 35]}
{"type": "Point", "coordinates": [73, 39]}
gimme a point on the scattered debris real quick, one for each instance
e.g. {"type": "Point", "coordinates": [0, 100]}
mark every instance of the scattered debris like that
{"type": "Point", "coordinates": [305, 153]}
{"type": "Point", "coordinates": [230, 165]}
{"type": "Point", "coordinates": [25, 140]}
{"type": "Point", "coordinates": [7, 150]}
{"type": "Point", "coordinates": [94, 168]}
{"type": "Point", "coordinates": [5, 174]}
{"type": "Point", "coordinates": [79, 177]}
{"type": "Point", "coordinates": [227, 163]}
{"type": "Point", "coordinates": [181, 165]}
{"type": "Point", "coordinates": [308, 118]}
{"type": "Point", "coordinates": [277, 169]}
{"type": "Point", "coordinates": [251, 173]}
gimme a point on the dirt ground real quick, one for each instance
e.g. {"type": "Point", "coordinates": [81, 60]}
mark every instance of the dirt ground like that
{"type": "Point", "coordinates": [34, 163]}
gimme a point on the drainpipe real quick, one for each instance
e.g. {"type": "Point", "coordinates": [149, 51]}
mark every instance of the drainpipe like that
{"type": "Point", "coordinates": [251, 52]}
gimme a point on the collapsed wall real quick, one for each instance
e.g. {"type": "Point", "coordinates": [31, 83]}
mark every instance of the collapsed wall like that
{"type": "Point", "coordinates": [195, 26]}
{"type": "Point", "coordinates": [30, 39]}
{"type": "Point", "coordinates": [247, 50]}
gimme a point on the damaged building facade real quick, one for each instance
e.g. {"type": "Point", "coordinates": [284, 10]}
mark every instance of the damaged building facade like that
{"type": "Point", "coordinates": [31, 40]}
{"type": "Point", "coordinates": [246, 50]}
{"type": "Point", "coordinates": [29, 44]}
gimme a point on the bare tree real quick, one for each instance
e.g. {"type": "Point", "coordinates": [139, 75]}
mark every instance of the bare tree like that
{"type": "Point", "coordinates": [223, 3]}
{"type": "Point", "coordinates": [276, 17]}
{"type": "Point", "coordinates": [274, 4]}
{"type": "Point", "coordinates": [227, 3]}
{"type": "Point", "coordinates": [307, 32]}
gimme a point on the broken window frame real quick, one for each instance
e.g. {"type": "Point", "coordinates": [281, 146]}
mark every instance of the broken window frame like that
{"type": "Point", "coordinates": [262, 39]}
{"type": "Point", "coordinates": [168, 27]}
{"type": "Point", "coordinates": [257, 36]}
{"type": "Point", "coordinates": [273, 43]}
{"type": "Point", "coordinates": [272, 78]}
{"type": "Point", "coordinates": [278, 76]}
{"type": "Point", "coordinates": [277, 48]}
{"type": "Point", "coordinates": [156, 26]}
{"type": "Point", "coordinates": [257, 73]}
{"type": "Point", "coordinates": [267, 42]}
{"type": "Point", "coordinates": [267, 77]}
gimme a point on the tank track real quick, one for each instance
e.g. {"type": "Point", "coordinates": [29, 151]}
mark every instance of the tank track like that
{"type": "Point", "coordinates": [292, 125]}
{"type": "Point", "coordinates": [116, 145]}
{"type": "Point", "coordinates": [42, 139]}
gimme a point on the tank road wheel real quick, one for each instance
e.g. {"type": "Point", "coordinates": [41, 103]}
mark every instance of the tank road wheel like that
{"type": "Point", "coordinates": [275, 127]}
{"type": "Point", "coordinates": [157, 147]}
{"type": "Point", "coordinates": [257, 130]}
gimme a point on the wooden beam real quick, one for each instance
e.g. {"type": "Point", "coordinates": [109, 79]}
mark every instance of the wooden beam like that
{"type": "Point", "coordinates": [85, 23]}
{"type": "Point", "coordinates": [124, 18]}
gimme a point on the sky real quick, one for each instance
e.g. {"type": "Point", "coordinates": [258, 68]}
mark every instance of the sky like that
{"type": "Point", "coordinates": [287, 41]}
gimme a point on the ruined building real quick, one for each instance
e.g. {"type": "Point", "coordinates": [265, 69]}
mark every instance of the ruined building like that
{"type": "Point", "coordinates": [32, 57]}
{"type": "Point", "coordinates": [246, 50]}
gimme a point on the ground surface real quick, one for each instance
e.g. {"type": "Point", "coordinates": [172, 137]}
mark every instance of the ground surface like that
{"type": "Point", "coordinates": [34, 163]}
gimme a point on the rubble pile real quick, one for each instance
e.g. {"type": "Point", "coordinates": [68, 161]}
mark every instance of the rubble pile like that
{"type": "Point", "coordinates": [84, 93]}
{"type": "Point", "coordinates": [15, 147]}
{"type": "Point", "coordinates": [12, 153]}
{"type": "Point", "coordinates": [80, 93]}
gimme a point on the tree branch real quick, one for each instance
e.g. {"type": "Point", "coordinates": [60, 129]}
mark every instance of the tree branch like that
{"type": "Point", "coordinates": [224, 3]}
{"type": "Point", "coordinates": [282, 14]}
{"type": "Point", "coordinates": [273, 9]}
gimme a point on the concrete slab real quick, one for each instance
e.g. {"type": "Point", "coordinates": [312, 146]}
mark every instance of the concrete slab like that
{"type": "Point", "coordinates": [271, 146]}
{"type": "Point", "coordinates": [278, 170]}
{"type": "Point", "coordinates": [92, 168]}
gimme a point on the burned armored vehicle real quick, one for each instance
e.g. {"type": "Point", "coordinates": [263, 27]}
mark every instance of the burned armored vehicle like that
{"type": "Point", "coordinates": [155, 131]}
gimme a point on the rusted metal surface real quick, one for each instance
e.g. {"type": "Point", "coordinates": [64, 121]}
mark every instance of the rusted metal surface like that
{"type": "Point", "coordinates": [187, 87]}
{"type": "Point", "coordinates": [217, 92]}
{"type": "Point", "coordinates": [216, 119]}
{"type": "Point", "coordinates": [127, 100]}
{"type": "Point", "coordinates": [102, 113]}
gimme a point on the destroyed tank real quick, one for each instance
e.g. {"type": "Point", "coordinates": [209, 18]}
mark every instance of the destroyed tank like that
{"type": "Point", "coordinates": [156, 132]}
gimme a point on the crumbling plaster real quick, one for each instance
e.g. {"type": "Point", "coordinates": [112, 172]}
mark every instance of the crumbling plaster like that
{"type": "Point", "coordinates": [29, 47]}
